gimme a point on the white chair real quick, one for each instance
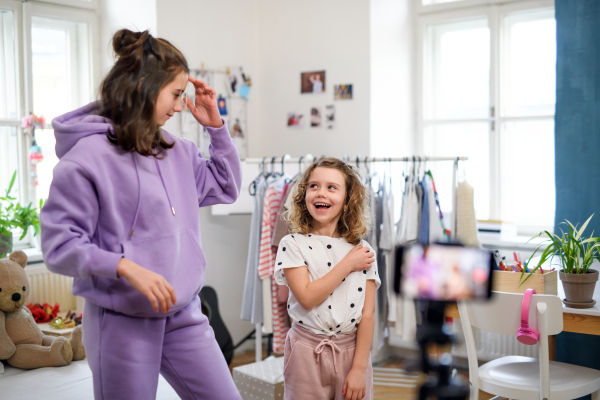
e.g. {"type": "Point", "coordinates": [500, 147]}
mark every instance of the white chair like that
{"type": "Point", "coordinates": [517, 377]}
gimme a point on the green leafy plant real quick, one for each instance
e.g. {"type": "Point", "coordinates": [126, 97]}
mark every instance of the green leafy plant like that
{"type": "Point", "coordinates": [13, 215]}
{"type": "Point", "coordinates": [576, 251]}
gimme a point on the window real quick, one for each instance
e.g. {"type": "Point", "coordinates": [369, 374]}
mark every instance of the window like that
{"type": "Point", "coordinates": [46, 68]}
{"type": "Point", "coordinates": [61, 82]}
{"type": "Point", "coordinates": [487, 91]}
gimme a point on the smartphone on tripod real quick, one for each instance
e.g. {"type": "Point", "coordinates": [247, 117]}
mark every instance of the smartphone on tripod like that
{"type": "Point", "coordinates": [436, 275]}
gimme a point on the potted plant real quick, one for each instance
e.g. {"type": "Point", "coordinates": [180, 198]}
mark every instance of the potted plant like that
{"type": "Point", "coordinates": [13, 215]}
{"type": "Point", "coordinates": [576, 253]}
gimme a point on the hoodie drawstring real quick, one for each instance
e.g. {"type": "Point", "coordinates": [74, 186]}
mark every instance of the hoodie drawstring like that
{"type": "Point", "coordinates": [137, 209]}
{"type": "Point", "coordinates": [164, 186]}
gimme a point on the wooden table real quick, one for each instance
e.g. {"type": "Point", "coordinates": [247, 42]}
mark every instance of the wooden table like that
{"type": "Point", "coordinates": [577, 320]}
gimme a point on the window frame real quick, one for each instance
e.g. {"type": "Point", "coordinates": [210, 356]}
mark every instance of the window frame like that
{"type": "Point", "coordinates": [493, 10]}
{"type": "Point", "coordinates": [89, 5]}
{"type": "Point", "coordinates": [70, 10]}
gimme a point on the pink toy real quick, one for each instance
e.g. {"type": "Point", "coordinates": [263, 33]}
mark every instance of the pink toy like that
{"type": "Point", "coordinates": [527, 335]}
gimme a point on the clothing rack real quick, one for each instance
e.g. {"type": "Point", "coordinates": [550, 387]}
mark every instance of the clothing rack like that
{"type": "Point", "coordinates": [308, 158]}
{"type": "Point", "coordinates": [357, 160]}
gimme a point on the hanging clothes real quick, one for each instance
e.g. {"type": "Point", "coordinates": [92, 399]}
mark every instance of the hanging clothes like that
{"type": "Point", "coordinates": [436, 232]}
{"type": "Point", "coordinates": [380, 333]}
{"type": "Point", "coordinates": [424, 226]}
{"type": "Point", "coordinates": [252, 301]}
{"type": "Point", "coordinates": [446, 232]}
{"type": "Point", "coordinates": [386, 249]}
{"type": "Point", "coordinates": [274, 313]}
{"type": "Point", "coordinates": [466, 224]}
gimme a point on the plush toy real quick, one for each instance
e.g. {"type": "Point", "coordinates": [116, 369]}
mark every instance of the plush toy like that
{"type": "Point", "coordinates": [22, 343]}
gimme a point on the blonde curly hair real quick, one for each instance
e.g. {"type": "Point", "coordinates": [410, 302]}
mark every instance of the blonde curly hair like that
{"type": "Point", "coordinates": [354, 223]}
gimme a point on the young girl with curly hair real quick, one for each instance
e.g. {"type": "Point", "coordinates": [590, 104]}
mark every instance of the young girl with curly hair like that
{"type": "Point", "coordinates": [332, 276]}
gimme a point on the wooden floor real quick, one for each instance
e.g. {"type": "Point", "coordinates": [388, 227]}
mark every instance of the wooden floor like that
{"type": "Point", "coordinates": [382, 379]}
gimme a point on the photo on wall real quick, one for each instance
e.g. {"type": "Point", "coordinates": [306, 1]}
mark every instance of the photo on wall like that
{"type": "Point", "coordinates": [295, 120]}
{"type": "Point", "coordinates": [237, 129]}
{"type": "Point", "coordinates": [330, 116]}
{"type": "Point", "coordinates": [315, 117]}
{"type": "Point", "coordinates": [342, 92]}
{"type": "Point", "coordinates": [222, 104]}
{"type": "Point", "coordinates": [234, 80]}
{"type": "Point", "coordinates": [312, 82]}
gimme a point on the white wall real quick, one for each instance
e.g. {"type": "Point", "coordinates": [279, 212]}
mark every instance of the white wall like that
{"type": "Point", "coordinates": [137, 15]}
{"type": "Point", "coordinates": [392, 55]}
{"type": "Point", "coordinates": [312, 35]}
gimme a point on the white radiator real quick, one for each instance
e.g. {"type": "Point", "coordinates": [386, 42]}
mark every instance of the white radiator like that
{"type": "Point", "coordinates": [489, 345]}
{"type": "Point", "coordinates": [492, 345]}
{"type": "Point", "coordinates": [51, 288]}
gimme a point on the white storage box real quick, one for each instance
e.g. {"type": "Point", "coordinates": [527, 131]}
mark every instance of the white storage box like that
{"type": "Point", "coordinates": [260, 381]}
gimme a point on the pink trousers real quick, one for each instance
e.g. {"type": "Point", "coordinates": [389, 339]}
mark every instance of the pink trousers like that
{"type": "Point", "coordinates": [315, 367]}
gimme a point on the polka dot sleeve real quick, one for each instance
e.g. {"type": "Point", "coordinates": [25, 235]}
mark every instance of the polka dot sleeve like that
{"type": "Point", "coordinates": [288, 256]}
{"type": "Point", "coordinates": [372, 273]}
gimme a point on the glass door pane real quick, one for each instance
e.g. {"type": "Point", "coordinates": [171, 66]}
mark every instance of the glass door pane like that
{"type": "Point", "coordinates": [429, 2]}
{"type": "Point", "coordinates": [457, 70]}
{"type": "Point", "coordinates": [8, 70]}
{"type": "Point", "coordinates": [528, 86]}
{"type": "Point", "coordinates": [9, 162]}
{"type": "Point", "coordinates": [527, 164]}
{"type": "Point", "coordinates": [61, 83]}
{"type": "Point", "coordinates": [471, 140]}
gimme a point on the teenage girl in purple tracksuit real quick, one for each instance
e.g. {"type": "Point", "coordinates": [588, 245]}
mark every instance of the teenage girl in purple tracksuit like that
{"type": "Point", "coordinates": [122, 219]}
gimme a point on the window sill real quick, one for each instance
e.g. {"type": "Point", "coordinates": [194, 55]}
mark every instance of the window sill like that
{"type": "Point", "coordinates": [513, 243]}
{"type": "Point", "coordinates": [34, 255]}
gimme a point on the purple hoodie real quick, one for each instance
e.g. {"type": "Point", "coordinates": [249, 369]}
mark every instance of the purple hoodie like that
{"type": "Point", "coordinates": [106, 203]}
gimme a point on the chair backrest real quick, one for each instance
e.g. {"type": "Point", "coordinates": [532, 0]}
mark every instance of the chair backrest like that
{"type": "Point", "coordinates": [502, 314]}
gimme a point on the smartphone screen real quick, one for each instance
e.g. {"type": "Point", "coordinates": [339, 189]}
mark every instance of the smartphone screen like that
{"type": "Point", "coordinates": [444, 272]}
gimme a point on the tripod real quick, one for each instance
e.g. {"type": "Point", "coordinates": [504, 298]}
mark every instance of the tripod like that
{"type": "Point", "coordinates": [440, 385]}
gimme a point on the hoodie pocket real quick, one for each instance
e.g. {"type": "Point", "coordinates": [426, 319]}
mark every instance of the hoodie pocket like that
{"type": "Point", "coordinates": [175, 256]}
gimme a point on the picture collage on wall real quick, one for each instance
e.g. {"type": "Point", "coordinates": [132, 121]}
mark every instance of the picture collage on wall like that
{"type": "Point", "coordinates": [233, 88]}
{"type": "Point", "coordinates": [313, 82]}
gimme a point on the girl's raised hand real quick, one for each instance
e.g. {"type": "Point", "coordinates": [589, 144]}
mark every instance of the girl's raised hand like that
{"type": "Point", "coordinates": [360, 258]}
{"type": "Point", "coordinates": [204, 108]}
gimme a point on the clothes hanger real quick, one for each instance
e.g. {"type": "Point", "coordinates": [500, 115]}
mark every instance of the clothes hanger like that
{"type": "Point", "coordinates": [252, 187]}
{"type": "Point", "coordinates": [273, 173]}
{"type": "Point", "coordinates": [285, 157]}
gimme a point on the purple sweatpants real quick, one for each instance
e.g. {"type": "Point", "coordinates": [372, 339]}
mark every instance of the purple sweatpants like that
{"type": "Point", "coordinates": [126, 354]}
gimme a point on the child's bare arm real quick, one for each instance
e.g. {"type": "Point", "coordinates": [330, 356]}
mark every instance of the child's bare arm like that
{"type": "Point", "coordinates": [356, 381]}
{"type": "Point", "coordinates": [309, 294]}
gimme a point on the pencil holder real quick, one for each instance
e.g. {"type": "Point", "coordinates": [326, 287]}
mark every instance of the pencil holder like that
{"type": "Point", "coordinates": [505, 281]}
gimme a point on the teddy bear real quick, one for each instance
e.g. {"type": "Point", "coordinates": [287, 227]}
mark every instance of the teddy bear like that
{"type": "Point", "coordinates": [22, 342]}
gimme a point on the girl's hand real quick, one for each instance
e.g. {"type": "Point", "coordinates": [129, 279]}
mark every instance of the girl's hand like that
{"type": "Point", "coordinates": [359, 258]}
{"type": "Point", "coordinates": [204, 108]}
{"type": "Point", "coordinates": [150, 284]}
{"type": "Point", "coordinates": [355, 386]}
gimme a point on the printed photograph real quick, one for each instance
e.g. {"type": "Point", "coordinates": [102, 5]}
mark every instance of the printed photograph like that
{"type": "Point", "coordinates": [312, 82]}
{"type": "Point", "coordinates": [342, 92]}
{"type": "Point", "coordinates": [222, 104]}
{"type": "Point", "coordinates": [295, 120]}
{"type": "Point", "coordinates": [315, 117]}
{"type": "Point", "coordinates": [330, 116]}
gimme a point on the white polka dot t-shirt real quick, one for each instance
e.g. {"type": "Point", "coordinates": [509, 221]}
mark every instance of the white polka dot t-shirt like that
{"type": "Point", "coordinates": [342, 310]}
